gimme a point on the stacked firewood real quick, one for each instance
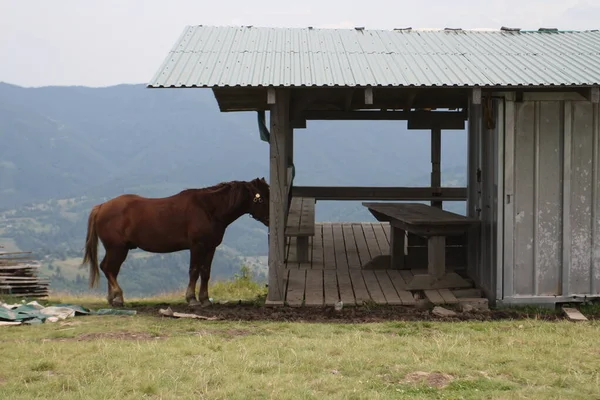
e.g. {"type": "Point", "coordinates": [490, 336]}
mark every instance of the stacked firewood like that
{"type": "Point", "coordinates": [19, 276]}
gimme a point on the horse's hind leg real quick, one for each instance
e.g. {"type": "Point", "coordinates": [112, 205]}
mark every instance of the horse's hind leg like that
{"type": "Point", "coordinates": [197, 255]}
{"type": "Point", "coordinates": [111, 265]}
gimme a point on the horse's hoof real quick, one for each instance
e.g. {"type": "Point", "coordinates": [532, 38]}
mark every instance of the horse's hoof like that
{"type": "Point", "coordinates": [205, 303]}
{"type": "Point", "coordinates": [194, 303]}
{"type": "Point", "coordinates": [117, 303]}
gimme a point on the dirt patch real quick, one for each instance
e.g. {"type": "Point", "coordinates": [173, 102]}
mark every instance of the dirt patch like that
{"type": "Point", "coordinates": [354, 315]}
{"type": "Point", "coordinates": [106, 335]}
{"type": "Point", "coordinates": [117, 335]}
{"type": "Point", "coordinates": [432, 379]}
{"type": "Point", "coordinates": [69, 323]}
{"type": "Point", "coordinates": [236, 332]}
{"type": "Point", "coordinates": [225, 332]}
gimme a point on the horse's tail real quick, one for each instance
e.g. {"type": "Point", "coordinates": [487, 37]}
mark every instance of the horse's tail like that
{"type": "Point", "coordinates": [91, 247]}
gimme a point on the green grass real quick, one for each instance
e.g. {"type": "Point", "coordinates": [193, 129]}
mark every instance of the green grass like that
{"type": "Point", "coordinates": [142, 356]}
{"type": "Point", "coordinates": [238, 288]}
{"type": "Point", "coordinates": [149, 356]}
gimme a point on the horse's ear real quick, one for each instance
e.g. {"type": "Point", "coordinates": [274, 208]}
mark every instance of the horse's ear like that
{"type": "Point", "coordinates": [263, 180]}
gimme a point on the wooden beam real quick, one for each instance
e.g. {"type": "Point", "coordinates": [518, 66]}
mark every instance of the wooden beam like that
{"type": "Point", "coordinates": [436, 159]}
{"type": "Point", "coordinates": [594, 95]}
{"type": "Point", "coordinates": [277, 199]}
{"type": "Point", "coordinates": [392, 98]}
{"type": "Point", "coordinates": [298, 123]}
{"type": "Point", "coordinates": [410, 99]}
{"type": "Point", "coordinates": [369, 95]}
{"type": "Point", "coordinates": [573, 314]}
{"type": "Point", "coordinates": [427, 120]}
{"type": "Point", "coordinates": [476, 95]}
{"type": "Point", "coordinates": [348, 100]}
{"type": "Point", "coordinates": [438, 116]}
{"type": "Point", "coordinates": [574, 95]}
{"type": "Point", "coordinates": [380, 193]}
{"type": "Point", "coordinates": [271, 96]}
{"type": "Point", "coordinates": [300, 102]}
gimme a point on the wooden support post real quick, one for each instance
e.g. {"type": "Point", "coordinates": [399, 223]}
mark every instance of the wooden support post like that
{"type": "Point", "coordinates": [397, 241]}
{"type": "Point", "coordinates": [436, 157]}
{"type": "Point", "coordinates": [473, 184]}
{"type": "Point", "coordinates": [289, 146]}
{"type": "Point", "coordinates": [289, 160]}
{"type": "Point", "coordinates": [277, 172]}
{"type": "Point", "coordinates": [436, 256]}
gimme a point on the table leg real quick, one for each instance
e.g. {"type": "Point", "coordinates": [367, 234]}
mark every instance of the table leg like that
{"type": "Point", "coordinates": [397, 238]}
{"type": "Point", "coordinates": [302, 249]}
{"type": "Point", "coordinates": [436, 252]}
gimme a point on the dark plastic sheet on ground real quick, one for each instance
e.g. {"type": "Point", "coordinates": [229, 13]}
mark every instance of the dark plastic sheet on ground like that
{"type": "Point", "coordinates": [34, 313]}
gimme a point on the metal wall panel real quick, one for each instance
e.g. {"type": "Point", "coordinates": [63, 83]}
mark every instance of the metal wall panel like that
{"type": "Point", "coordinates": [548, 185]}
{"type": "Point", "coordinates": [580, 214]}
{"type": "Point", "coordinates": [551, 247]}
{"type": "Point", "coordinates": [486, 143]}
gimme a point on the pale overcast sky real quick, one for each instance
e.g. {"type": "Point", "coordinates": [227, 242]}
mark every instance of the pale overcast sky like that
{"type": "Point", "coordinates": [107, 42]}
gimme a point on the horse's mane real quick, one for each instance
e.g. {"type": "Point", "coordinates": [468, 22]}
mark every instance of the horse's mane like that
{"type": "Point", "coordinates": [214, 188]}
{"type": "Point", "coordinates": [238, 190]}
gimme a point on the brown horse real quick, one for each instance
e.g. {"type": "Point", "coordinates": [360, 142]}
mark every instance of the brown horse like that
{"type": "Point", "coordinates": [194, 219]}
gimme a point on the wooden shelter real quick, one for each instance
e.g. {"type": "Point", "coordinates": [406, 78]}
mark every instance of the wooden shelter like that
{"type": "Point", "coordinates": [530, 103]}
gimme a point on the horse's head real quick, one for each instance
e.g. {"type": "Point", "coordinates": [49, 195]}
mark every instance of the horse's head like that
{"type": "Point", "coordinates": [259, 208]}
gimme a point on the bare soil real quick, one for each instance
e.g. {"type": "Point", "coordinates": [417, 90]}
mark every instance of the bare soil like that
{"type": "Point", "coordinates": [125, 335]}
{"type": "Point", "coordinates": [117, 335]}
{"type": "Point", "coordinates": [244, 312]}
{"type": "Point", "coordinates": [432, 379]}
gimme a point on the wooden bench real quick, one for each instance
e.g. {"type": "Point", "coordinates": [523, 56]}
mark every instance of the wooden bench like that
{"type": "Point", "coordinates": [301, 224]}
{"type": "Point", "coordinates": [430, 222]}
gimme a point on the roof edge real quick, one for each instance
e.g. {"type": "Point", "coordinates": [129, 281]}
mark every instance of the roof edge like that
{"type": "Point", "coordinates": [456, 86]}
{"type": "Point", "coordinates": [502, 29]}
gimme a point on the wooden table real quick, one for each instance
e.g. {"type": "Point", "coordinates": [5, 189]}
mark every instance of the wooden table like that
{"type": "Point", "coordinates": [423, 220]}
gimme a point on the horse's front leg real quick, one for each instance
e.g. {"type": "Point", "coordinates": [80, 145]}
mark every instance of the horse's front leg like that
{"type": "Point", "coordinates": [205, 276]}
{"type": "Point", "coordinates": [197, 256]}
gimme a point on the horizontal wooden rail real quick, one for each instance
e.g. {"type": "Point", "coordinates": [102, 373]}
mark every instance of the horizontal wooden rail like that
{"type": "Point", "coordinates": [422, 120]}
{"type": "Point", "coordinates": [381, 193]}
{"type": "Point", "coordinates": [383, 115]}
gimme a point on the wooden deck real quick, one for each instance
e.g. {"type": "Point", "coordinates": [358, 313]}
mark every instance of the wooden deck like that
{"type": "Point", "coordinates": [350, 262]}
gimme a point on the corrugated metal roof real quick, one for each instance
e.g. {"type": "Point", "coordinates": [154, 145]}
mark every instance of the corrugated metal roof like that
{"type": "Point", "coordinates": [249, 56]}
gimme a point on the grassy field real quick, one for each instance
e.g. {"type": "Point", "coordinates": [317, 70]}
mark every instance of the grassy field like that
{"type": "Point", "coordinates": [155, 357]}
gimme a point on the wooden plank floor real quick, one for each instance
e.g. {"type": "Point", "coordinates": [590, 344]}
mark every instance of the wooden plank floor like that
{"type": "Point", "coordinates": [341, 264]}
